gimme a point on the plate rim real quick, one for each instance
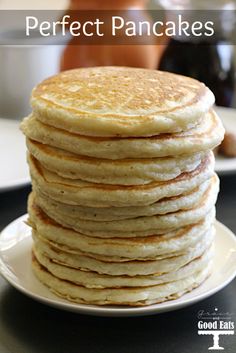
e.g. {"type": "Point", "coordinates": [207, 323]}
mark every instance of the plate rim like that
{"type": "Point", "coordinates": [106, 310]}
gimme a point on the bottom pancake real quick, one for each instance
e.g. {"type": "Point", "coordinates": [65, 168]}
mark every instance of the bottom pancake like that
{"type": "Point", "coordinates": [136, 296]}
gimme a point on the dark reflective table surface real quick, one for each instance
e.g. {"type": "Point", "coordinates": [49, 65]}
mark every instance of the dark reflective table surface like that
{"type": "Point", "coordinates": [27, 326]}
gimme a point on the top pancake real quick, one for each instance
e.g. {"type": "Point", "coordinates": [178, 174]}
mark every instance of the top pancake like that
{"type": "Point", "coordinates": [120, 101]}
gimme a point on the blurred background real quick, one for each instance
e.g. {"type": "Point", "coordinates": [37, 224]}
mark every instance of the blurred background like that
{"type": "Point", "coordinates": [212, 63]}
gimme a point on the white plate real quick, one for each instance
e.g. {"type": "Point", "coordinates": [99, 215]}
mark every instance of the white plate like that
{"type": "Point", "coordinates": [226, 165]}
{"type": "Point", "coordinates": [14, 170]}
{"type": "Point", "coordinates": [15, 266]}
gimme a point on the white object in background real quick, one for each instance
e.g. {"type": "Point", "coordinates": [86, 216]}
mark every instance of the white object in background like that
{"type": "Point", "coordinates": [14, 170]}
{"type": "Point", "coordinates": [22, 67]}
{"type": "Point", "coordinates": [34, 5]}
{"type": "Point", "coordinates": [226, 165]}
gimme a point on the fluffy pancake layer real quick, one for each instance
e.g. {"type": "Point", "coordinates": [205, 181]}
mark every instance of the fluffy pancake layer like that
{"type": "Point", "coordinates": [92, 279]}
{"type": "Point", "coordinates": [122, 172]}
{"type": "Point", "coordinates": [119, 249]}
{"type": "Point", "coordinates": [79, 192]}
{"type": "Point", "coordinates": [203, 137]}
{"type": "Point", "coordinates": [139, 226]}
{"type": "Point", "coordinates": [184, 201]}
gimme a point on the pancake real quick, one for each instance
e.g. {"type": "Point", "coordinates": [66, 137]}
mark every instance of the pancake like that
{"type": "Point", "coordinates": [91, 279]}
{"type": "Point", "coordinates": [112, 267]}
{"type": "Point", "coordinates": [139, 226]}
{"type": "Point", "coordinates": [78, 192]}
{"type": "Point", "coordinates": [124, 296]}
{"type": "Point", "coordinates": [119, 249]}
{"type": "Point", "coordinates": [203, 137]}
{"type": "Point", "coordinates": [120, 101]}
{"type": "Point", "coordinates": [122, 172]}
{"type": "Point", "coordinates": [168, 205]}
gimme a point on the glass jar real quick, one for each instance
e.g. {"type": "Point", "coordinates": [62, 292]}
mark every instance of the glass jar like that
{"type": "Point", "coordinates": [210, 61]}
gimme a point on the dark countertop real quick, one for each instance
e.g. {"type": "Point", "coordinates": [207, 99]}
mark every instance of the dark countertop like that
{"type": "Point", "coordinates": [27, 326]}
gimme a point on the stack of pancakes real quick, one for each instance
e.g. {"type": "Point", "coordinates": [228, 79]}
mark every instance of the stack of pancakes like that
{"type": "Point", "coordinates": [124, 189]}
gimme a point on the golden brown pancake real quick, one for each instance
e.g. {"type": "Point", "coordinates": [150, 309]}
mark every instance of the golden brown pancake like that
{"type": "Point", "coordinates": [78, 192]}
{"type": "Point", "coordinates": [184, 201]}
{"type": "Point", "coordinates": [134, 171]}
{"type": "Point", "coordinates": [119, 249]}
{"type": "Point", "coordinates": [136, 226]}
{"type": "Point", "coordinates": [121, 101]}
{"type": "Point", "coordinates": [203, 137]}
